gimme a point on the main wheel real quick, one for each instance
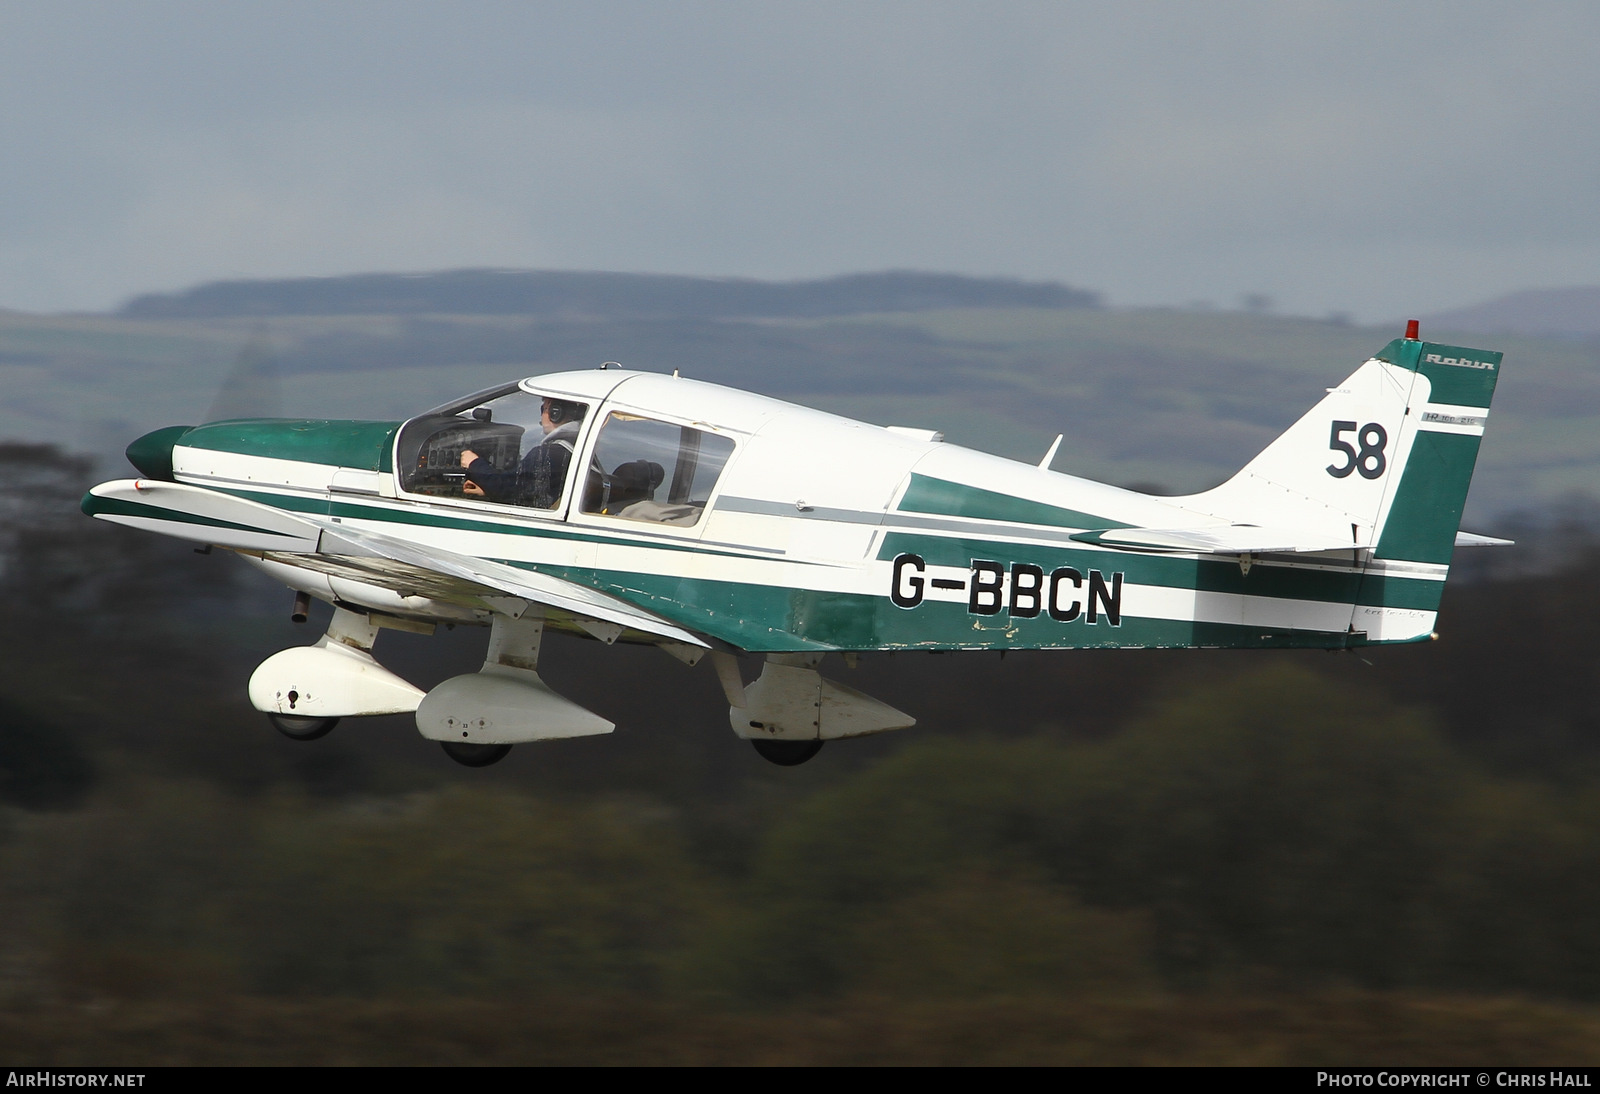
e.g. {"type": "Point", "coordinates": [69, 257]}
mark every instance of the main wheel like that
{"type": "Point", "coordinates": [470, 755]}
{"type": "Point", "coordinates": [297, 727]}
{"type": "Point", "coordinates": [786, 753]}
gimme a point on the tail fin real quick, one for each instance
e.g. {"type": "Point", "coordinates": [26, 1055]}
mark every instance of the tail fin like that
{"type": "Point", "coordinates": [1456, 385]}
{"type": "Point", "coordinates": [1383, 462]}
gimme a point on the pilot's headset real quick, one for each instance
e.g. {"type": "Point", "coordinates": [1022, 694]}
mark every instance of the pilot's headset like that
{"type": "Point", "coordinates": [562, 411]}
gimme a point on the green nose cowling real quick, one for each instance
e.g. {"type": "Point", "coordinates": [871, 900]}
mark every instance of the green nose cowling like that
{"type": "Point", "coordinates": [152, 453]}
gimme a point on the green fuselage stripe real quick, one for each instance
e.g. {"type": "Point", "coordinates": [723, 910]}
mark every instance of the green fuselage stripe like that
{"type": "Point", "coordinates": [952, 499]}
{"type": "Point", "coordinates": [1204, 575]}
{"type": "Point", "coordinates": [765, 619]}
{"type": "Point", "coordinates": [1207, 575]}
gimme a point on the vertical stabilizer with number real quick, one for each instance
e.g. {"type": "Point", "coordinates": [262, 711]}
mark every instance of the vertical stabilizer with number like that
{"type": "Point", "coordinates": [1383, 463]}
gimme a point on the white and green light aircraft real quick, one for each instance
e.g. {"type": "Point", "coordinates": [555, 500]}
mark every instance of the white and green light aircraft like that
{"type": "Point", "coordinates": [635, 507]}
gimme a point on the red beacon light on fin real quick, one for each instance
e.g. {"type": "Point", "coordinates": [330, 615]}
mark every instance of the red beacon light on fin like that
{"type": "Point", "coordinates": [1413, 331]}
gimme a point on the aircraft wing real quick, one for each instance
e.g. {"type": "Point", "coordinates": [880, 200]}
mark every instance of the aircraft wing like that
{"type": "Point", "coordinates": [350, 545]}
{"type": "Point", "coordinates": [202, 516]}
{"type": "Point", "coordinates": [315, 543]}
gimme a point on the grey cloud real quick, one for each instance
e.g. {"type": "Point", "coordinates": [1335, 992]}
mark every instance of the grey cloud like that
{"type": "Point", "coordinates": [1374, 158]}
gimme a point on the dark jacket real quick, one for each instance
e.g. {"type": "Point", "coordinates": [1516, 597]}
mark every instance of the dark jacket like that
{"type": "Point", "coordinates": [537, 481]}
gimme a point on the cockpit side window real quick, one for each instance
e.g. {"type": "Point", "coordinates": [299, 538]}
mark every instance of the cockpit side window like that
{"type": "Point", "coordinates": [514, 448]}
{"type": "Point", "coordinates": [649, 470]}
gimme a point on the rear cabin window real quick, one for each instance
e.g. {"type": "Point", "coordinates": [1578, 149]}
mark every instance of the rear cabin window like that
{"type": "Point", "coordinates": [648, 470]}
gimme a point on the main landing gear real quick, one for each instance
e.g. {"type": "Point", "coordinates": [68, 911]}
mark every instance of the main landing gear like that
{"type": "Point", "coordinates": [790, 711]}
{"type": "Point", "coordinates": [304, 691]}
{"type": "Point", "coordinates": [471, 755]}
{"type": "Point", "coordinates": [786, 753]}
{"type": "Point", "coordinates": [298, 728]}
{"type": "Point", "coordinates": [477, 717]}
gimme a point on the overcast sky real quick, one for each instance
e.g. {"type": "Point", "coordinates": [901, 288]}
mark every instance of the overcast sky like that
{"type": "Point", "coordinates": [1382, 159]}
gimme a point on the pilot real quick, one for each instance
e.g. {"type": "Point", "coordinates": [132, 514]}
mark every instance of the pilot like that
{"type": "Point", "coordinates": [538, 480]}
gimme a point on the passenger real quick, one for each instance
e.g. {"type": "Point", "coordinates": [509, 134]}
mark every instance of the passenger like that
{"type": "Point", "coordinates": [538, 480]}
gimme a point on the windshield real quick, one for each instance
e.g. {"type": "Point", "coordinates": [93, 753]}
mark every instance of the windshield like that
{"type": "Point", "coordinates": [513, 448]}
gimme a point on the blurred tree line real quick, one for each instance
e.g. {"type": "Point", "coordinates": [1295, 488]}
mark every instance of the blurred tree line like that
{"type": "Point", "coordinates": [1267, 832]}
{"type": "Point", "coordinates": [1105, 825]}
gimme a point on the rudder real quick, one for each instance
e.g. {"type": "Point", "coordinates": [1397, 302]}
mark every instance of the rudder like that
{"type": "Point", "coordinates": [1456, 385]}
{"type": "Point", "coordinates": [1432, 490]}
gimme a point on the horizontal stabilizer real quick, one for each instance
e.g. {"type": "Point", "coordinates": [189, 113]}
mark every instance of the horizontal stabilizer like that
{"type": "Point", "coordinates": [1221, 539]}
{"type": "Point", "coordinates": [1469, 539]}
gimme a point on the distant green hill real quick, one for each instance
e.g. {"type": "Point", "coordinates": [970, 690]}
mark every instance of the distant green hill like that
{"type": "Point", "coordinates": [1547, 313]}
{"type": "Point", "coordinates": [1169, 398]}
{"type": "Point", "coordinates": [546, 293]}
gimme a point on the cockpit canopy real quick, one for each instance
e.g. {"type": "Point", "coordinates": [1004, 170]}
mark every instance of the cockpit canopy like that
{"type": "Point", "coordinates": [516, 445]}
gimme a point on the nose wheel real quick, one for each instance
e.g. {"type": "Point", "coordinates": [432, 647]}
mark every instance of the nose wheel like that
{"type": "Point", "coordinates": [470, 755]}
{"type": "Point", "coordinates": [787, 753]}
{"type": "Point", "coordinates": [300, 728]}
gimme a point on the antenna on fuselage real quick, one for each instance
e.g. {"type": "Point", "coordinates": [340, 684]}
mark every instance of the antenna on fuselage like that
{"type": "Point", "coordinates": [1044, 464]}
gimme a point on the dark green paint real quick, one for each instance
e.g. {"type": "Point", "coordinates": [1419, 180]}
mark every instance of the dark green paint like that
{"type": "Point", "coordinates": [365, 446]}
{"type": "Point", "coordinates": [151, 454]}
{"type": "Point", "coordinates": [1460, 384]}
{"type": "Point", "coordinates": [930, 495]}
{"type": "Point", "coordinates": [1457, 384]}
{"type": "Point", "coordinates": [1427, 506]}
{"type": "Point", "coordinates": [1400, 351]}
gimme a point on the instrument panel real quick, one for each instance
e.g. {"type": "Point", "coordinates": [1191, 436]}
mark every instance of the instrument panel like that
{"type": "Point", "coordinates": [430, 451]}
